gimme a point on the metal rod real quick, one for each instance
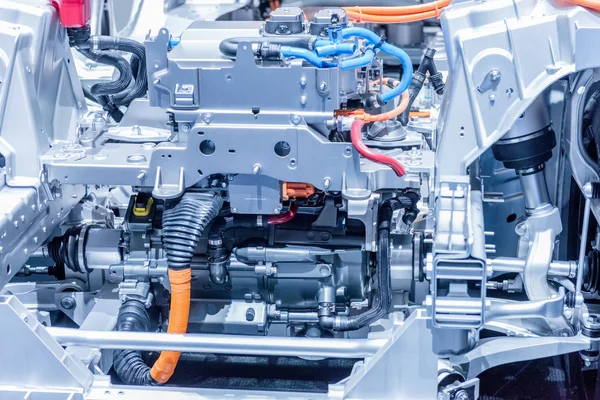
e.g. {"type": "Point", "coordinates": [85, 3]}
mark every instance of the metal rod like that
{"type": "Point", "coordinates": [535, 188]}
{"type": "Point", "coordinates": [509, 264]}
{"type": "Point", "coordinates": [583, 244]}
{"type": "Point", "coordinates": [219, 344]}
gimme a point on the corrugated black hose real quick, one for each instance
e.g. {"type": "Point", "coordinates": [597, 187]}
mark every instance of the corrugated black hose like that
{"type": "Point", "coordinates": [129, 364]}
{"type": "Point", "coordinates": [138, 65]}
{"type": "Point", "coordinates": [109, 58]}
{"type": "Point", "coordinates": [120, 92]}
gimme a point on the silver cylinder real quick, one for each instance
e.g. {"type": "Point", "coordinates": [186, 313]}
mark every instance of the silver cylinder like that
{"type": "Point", "coordinates": [535, 188]}
{"type": "Point", "coordinates": [401, 262]}
{"type": "Point", "coordinates": [508, 264]}
{"type": "Point", "coordinates": [101, 246]}
{"type": "Point", "coordinates": [406, 34]}
{"type": "Point", "coordinates": [219, 344]}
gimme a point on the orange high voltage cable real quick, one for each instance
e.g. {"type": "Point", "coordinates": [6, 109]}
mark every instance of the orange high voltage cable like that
{"type": "Point", "coordinates": [360, 114]}
{"type": "Point", "coordinates": [390, 15]}
{"type": "Point", "coordinates": [400, 10]}
{"type": "Point", "coordinates": [180, 281]}
{"type": "Point", "coordinates": [591, 4]}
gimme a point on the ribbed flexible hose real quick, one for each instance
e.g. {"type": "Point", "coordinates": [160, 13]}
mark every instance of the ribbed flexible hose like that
{"type": "Point", "coordinates": [183, 225]}
{"type": "Point", "coordinates": [138, 65]}
{"type": "Point", "coordinates": [121, 83]}
{"type": "Point", "coordinates": [128, 364]}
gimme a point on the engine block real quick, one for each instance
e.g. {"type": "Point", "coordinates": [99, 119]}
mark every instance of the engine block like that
{"type": "Point", "coordinates": [418, 211]}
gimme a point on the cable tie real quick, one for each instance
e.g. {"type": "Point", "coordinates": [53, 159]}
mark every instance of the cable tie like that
{"type": "Point", "coordinates": [360, 15]}
{"type": "Point", "coordinates": [438, 11]}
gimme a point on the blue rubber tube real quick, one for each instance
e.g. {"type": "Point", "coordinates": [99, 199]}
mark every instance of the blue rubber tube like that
{"type": "Point", "coordinates": [407, 71]}
{"type": "Point", "coordinates": [287, 51]}
{"type": "Point", "coordinates": [335, 49]}
{"type": "Point", "coordinates": [370, 36]}
{"type": "Point", "coordinates": [321, 42]}
{"type": "Point", "coordinates": [374, 39]}
{"type": "Point", "coordinates": [358, 62]}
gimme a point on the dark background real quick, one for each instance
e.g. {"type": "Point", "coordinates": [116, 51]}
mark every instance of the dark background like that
{"type": "Point", "coordinates": [559, 378]}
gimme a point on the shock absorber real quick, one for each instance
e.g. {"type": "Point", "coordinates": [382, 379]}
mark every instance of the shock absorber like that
{"type": "Point", "coordinates": [526, 148]}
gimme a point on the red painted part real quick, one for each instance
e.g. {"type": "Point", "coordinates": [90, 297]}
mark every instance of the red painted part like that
{"type": "Point", "coordinates": [366, 152]}
{"type": "Point", "coordinates": [73, 13]}
{"type": "Point", "coordinates": [283, 218]}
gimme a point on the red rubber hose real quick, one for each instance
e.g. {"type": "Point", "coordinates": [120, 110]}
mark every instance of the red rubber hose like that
{"type": "Point", "coordinates": [283, 218]}
{"type": "Point", "coordinates": [366, 152]}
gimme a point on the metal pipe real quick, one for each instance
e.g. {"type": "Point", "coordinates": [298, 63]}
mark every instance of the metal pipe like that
{"type": "Point", "coordinates": [588, 192]}
{"type": "Point", "coordinates": [535, 188]}
{"type": "Point", "coordinates": [509, 264]}
{"type": "Point", "coordinates": [219, 344]}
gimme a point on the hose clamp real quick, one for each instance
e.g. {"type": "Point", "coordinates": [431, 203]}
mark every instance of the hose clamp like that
{"type": "Point", "coordinates": [382, 40]}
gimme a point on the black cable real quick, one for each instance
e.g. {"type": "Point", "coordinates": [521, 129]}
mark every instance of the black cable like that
{"type": "Point", "coordinates": [112, 87]}
{"type": "Point", "coordinates": [435, 77]}
{"type": "Point", "coordinates": [106, 104]}
{"type": "Point", "coordinates": [138, 65]}
{"type": "Point", "coordinates": [382, 300]}
{"type": "Point", "coordinates": [129, 364]}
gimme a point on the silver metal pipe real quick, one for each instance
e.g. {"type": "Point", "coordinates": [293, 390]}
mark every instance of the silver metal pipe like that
{"type": "Point", "coordinates": [535, 188]}
{"type": "Point", "coordinates": [96, 17]}
{"type": "Point", "coordinates": [588, 191]}
{"type": "Point", "coordinates": [510, 264]}
{"type": "Point", "coordinates": [219, 344]}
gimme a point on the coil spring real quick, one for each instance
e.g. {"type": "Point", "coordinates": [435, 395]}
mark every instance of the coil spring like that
{"type": "Point", "coordinates": [183, 224]}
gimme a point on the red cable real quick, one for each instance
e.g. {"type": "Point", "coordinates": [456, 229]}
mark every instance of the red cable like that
{"type": "Point", "coordinates": [366, 152]}
{"type": "Point", "coordinates": [283, 218]}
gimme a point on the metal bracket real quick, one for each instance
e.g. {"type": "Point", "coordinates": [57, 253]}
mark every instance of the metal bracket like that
{"type": "Point", "coordinates": [24, 340]}
{"type": "Point", "coordinates": [382, 377]}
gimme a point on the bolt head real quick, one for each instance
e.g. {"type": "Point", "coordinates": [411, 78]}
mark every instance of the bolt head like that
{"type": "Point", "coordinates": [323, 86]}
{"type": "Point", "coordinates": [326, 182]}
{"type": "Point", "coordinates": [588, 190]}
{"type": "Point", "coordinates": [256, 169]}
{"type": "Point", "coordinates": [495, 75]}
{"type": "Point", "coordinates": [186, 127]}
{"type": "Point", "coordinates": [303, 81]}
{"type": "Point", "coordinates": [207, 118]}
{"type": "Point", "coordinates": [234, 210]}
{"type": "Point", "coordinates": [461, 395]}
{"type": "Point", "coordinates": [67, 303]}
